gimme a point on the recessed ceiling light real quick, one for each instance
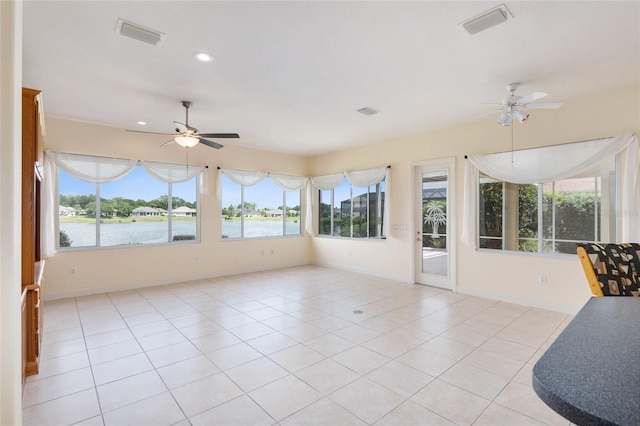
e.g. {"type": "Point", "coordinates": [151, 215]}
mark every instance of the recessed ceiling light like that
{"type": "Point", "coordinates": [203, 57]}
{"type": "Point", "coordinates": [142, 123]}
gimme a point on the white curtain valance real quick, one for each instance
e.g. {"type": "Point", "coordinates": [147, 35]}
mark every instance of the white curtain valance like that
{"type": "Point", "coordinates": [368, 177]}
{"type": "Point", "coordinates": [244, 177]}
{"type": "Point", "coordinates": [547, 164]}
{"type": "Point", "coordinates": [552, 163]}
{"type": "Point", "coordinates": [93, 169]}
{"type": "Point", "coordinates": [177, 173]}
{"type": "Point", "coordinates": [327, 182]}
{"type": "Point", "coordinates": [288, 182]}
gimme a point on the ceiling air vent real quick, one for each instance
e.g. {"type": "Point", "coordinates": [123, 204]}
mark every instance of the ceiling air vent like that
{"type": "Point", "coordinates": [137, 32]}
{"type": "Point", "coordinates": [488, 19]}
{"type": "Point", "coordinates": [367, 111]}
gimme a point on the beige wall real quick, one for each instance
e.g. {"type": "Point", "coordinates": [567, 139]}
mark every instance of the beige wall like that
{"type": "Point", "coordinates": [506, 276]}
{"type": "Point", "coordinates": [121, 268]}
{"type": "Point", "coordinates": [10, 212]}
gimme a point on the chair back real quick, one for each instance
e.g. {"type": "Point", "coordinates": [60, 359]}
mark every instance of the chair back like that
{"type": "Point", "coordinates": [611, 269]}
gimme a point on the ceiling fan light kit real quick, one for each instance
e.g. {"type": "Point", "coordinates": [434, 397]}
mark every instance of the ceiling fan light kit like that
{"type": "Point", "coordinates": [513, 106]}
{"type": "Point", "coordinates": [486, 20]}
{"type": "Point", "coordinates": [186, 141]}
{"type": "Point", "coordinates": [188, 137]}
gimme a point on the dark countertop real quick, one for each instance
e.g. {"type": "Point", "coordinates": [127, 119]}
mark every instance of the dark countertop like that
{"type": "Point", "coordinates": [591, 373]}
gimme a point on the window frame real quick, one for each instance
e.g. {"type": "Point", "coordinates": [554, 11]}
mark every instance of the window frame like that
{"type": "Point", "coordinates": [242, 213]}
{"type": "Point", "coordinates": [379, 212]}
{"type": "Point", "coordinates": [541, 240]}
{"type": "Point", "coordinates": [98, 197]}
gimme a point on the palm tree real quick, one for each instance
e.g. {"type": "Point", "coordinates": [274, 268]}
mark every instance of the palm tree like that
{"type": "Point", "coordinates": [435, 215]}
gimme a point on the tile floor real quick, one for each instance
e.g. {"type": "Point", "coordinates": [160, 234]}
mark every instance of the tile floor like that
{"type": "Point", "coordinates": [285, 347]}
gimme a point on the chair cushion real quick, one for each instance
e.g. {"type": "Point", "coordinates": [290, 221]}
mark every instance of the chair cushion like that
{"type": "Point", "coordinates": [616, 267]}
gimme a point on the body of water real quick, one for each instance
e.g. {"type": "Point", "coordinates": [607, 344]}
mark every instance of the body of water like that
{"type": "Point", "coordinates": [131, 233]}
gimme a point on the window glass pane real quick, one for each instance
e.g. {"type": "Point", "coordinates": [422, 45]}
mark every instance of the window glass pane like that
{"type": "Point", "coordinates": [263, 214]}
{"type": "Point", "coordinates": [324, 227]}
{"type": "Point", "coordinates": [490, 221]}
{"type": "Point", "coordinates": [577, 209]}
{"type": "Point", "coordinates": [231, 203]}
{"type": "Point", "coordinates": [292, 210]}
{"type": "Point", "coordinates": [77, 210]}
{"type": "Point", "coordinates": [184, 198]}
{"type": "Point", "coordinates": [360, 221]}
{"type": "Point", "coordinates": [342, 209]}
{"type": "Point", "coordinates": [528, 217]}
{"type": "Point", "coordinates": [133, 210]}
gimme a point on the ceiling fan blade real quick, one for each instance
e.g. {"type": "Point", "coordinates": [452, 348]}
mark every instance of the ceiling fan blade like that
{"type": "Point", "coordinates": [220, 135]}
{"type": "Point", "coordinates": [210, 143]}
{"type": "Point", "coordinates": [544, 105]}
{"type": "Point", "coordinates": [487, 113]}
{"type": "Point", "coordinates": [151, 133]}
{"type": "Point", "coordinates": [532, 97]}
{"type": "Point", "coordinates": [167, 143]}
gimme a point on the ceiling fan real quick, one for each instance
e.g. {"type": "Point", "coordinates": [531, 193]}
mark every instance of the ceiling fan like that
{"type": "Point", "coordinates": [514, 106]}
{"type": "Point", "coordinates": [188, 136]}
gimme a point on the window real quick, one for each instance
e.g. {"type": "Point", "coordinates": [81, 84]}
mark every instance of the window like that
{"type": "Point", "coordinates": [135, 209]}
{"type": "Point", "coordinates": [546, 199]}
{"type": "Point", "coordinates": [259, 210]}
{"type": "Point", "coordinates": [352, 211]}
{"type": "Point", "coordinates": [546, 218]}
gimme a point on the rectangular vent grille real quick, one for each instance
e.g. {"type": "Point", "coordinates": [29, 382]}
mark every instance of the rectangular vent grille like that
{"type": "Point", "coordinates": [486, 20]}
{"type": "Point", "coordinates": [137, 32]}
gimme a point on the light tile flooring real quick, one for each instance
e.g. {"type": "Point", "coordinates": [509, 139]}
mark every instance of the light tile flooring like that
{"type": "Point", "coordinates": [297, 346]}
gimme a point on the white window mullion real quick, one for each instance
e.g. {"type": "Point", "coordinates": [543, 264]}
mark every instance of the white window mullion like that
{"type": "Point", "coordinates": [98, 215]}
{"type": "Point", "coordinates": [170, 212]}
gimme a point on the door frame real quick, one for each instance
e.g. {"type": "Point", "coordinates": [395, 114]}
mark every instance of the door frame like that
{"type": "Point", "coordinates": [449, 164]}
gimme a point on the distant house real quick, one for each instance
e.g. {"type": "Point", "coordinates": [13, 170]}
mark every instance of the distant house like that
{"type": "Point", "coordinates": [145, 211]}
{"type": "Point", "coordinates": [184, 211]}
{"type": "Point", "coordinates": [274, 213]}
{"type": "Point", "coordinates": [66, 211]}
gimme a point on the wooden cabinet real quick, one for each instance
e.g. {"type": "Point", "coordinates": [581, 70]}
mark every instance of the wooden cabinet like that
{"type": "Point", "coordinates": [32, 263]}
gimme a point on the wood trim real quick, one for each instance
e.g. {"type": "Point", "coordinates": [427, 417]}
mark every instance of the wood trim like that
{"type": "Point", "coordinates": [592, 279]}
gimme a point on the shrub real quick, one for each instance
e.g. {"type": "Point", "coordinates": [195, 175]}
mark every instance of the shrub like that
{"type": "Point", "coordinates": [65, 241]}
{"type": "Point", "coordinates": [183, 237]}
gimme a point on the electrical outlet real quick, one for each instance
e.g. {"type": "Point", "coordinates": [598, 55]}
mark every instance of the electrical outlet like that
{"type": "Point", "coordinates": [542, 279]}
{"type": "Point", "coordinates": [72, 271]}
{"type": "Point", "coordinates": [197, 259]}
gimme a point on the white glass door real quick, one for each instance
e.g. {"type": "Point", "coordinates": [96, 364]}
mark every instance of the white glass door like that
{"type": "Point", "coordinates": [434, 227]}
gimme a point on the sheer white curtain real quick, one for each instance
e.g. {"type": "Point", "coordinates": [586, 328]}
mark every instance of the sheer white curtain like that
{"type": "Point", "coordinates": [93, 169]}
{"type": "Point", "coordinates": [547, 164]}
{"type": "Point", "coordinates": [177, 173]}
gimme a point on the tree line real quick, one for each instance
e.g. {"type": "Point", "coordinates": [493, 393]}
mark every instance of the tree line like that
{"type": "Point", "coordinates": [118, 206]}
{"type": "Point", "coordinates": [236, 211]}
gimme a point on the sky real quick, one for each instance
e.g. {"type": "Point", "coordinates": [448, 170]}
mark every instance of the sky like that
{"type": "Point", "coordinates": [138, 184]}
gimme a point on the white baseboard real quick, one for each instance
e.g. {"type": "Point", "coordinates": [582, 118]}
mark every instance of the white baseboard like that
{"type": "Point", "coordinates": [364, 271]}
{"type": "Point", "coordinates": [564, 308]}
{"type": "Point", "coordinates": [48, 296]}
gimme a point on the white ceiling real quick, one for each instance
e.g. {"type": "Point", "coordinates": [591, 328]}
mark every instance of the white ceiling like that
{"type": "Point", "coordinates": [289, 76]}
